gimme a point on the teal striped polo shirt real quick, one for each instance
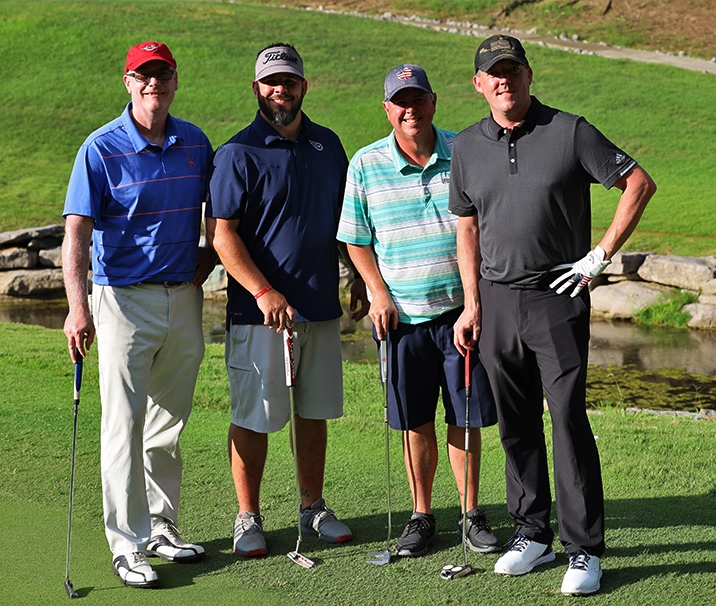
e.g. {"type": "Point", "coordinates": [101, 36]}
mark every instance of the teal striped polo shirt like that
{"type": "Point", "coordinates": [401, 210]}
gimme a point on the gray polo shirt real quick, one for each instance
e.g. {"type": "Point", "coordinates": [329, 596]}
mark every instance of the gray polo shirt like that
{"type": "Point", "coordinates": [530, 190]}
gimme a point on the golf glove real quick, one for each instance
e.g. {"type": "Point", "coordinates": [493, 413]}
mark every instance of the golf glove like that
{"type": "Point", "coordinates": [582, 272]}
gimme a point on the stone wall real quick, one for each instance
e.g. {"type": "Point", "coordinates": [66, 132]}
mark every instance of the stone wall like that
{"type": "Point", "coordinates": [31, 262]}
{"type": "Point", "coordinates": [30, 267]}
{"type": "Point", "coordinates": [636, 280]}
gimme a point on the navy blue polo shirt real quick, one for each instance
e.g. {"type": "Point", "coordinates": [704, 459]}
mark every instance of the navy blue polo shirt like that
{"type": "Point", "coordinates": [145, 200]}
{"type": "Point", "coordinates": [531, 189]}
{"type": "Point", "coordinates": [287, 197]}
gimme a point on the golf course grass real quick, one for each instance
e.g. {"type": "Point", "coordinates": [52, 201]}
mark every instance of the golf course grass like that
{"type": "Point", "coordinates": [658, 475]}
{"type": "Point", "coordinates": [63, 79]}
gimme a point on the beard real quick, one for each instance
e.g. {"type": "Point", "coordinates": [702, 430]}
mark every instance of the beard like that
{"type": "Point", "coordinates": [279, 117]}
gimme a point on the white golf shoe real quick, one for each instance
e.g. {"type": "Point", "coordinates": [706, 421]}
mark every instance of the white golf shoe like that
{"type": "Point", "coordinates": [166, 543]}
{"type": "Point", "coordinates": [134, 570]}
{"type": "Point", "coordinates": [583, 575]}
{"type": "Point", "coordinates": [522, 556]}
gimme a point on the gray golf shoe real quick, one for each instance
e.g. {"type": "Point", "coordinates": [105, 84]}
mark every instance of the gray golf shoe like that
{"type": "Point", "coordinates": [321, 521]}
{"type": "Point", "coordinates": [249, 539]}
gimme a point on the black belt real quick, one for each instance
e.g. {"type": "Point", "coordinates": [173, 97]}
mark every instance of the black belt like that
{"type": "Point", "coordinates": [166, 284]}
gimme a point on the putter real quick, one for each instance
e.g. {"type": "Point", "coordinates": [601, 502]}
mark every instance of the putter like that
{"type": "Point", "coordinates": [449, 571]}
{"type": "Point", "coordinates": [290, 365]}
{"type": "Point", "coordinates": [72, 594]}
{"type": "Point", "coordinates": [383, 557]}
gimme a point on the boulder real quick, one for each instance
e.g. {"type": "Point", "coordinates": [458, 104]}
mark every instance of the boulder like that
{"type": "Point", "coordinates": [624, 299]}
{"type": "Point", "coordinates": [217, 281]}
{"type": "Point", "coordinates": [626, 263]}
{"type": "Point", "coordinates": [17, 258]}
{"type": "Point", "coordinates": [51, 257]}
{"type": "Point", "coordinates": [709, 288]}
{"type": "Point", "coordinates": [702, 316]}
{"type": "Point", "coordinates": [23, 236]}
{"type": "Point", "coordinates": [44, 243]}
{"type": "Point", "coordinates": [684, 272]}
{"type": "Point", "coordinates": [31, 283]}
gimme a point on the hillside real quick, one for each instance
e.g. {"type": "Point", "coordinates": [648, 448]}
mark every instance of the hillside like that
{"type": "Point", "coordinates": [673, 26]}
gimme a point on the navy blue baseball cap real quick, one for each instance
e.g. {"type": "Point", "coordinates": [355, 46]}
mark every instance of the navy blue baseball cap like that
{"type": "Point", "coordinates": [406, 76]}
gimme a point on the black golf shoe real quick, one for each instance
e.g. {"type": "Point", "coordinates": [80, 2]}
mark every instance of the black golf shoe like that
{"type": "Point", "coordinates": [479, 534]}
{"type": "Point", "coordinates": [417, 536]}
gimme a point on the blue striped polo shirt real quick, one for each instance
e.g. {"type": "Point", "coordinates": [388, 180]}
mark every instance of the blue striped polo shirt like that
{"type": "Point", "coordinates": [145, 201]}
{"type": "Point", "coordinates": [401, 210]}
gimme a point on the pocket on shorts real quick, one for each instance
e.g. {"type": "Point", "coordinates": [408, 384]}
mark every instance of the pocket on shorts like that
{"type": "Point", "coordinates": [238, 356]}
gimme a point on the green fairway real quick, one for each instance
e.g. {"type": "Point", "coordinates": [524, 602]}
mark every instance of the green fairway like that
{"type": "Point", "coordinates": [658, 475]}
{"type": "Point", "coordinates": [65, 61]}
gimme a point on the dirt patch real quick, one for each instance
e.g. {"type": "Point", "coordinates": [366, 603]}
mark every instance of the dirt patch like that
{"type": "Point", "coordinates": [669, 26]}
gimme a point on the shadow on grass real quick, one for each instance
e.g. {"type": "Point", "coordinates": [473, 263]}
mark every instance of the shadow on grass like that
{"type": "Point", "coordinates": [370, 534]}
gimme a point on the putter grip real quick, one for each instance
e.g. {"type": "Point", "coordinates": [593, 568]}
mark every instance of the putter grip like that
{"type": "Point", "coordinates": [78, 375]}
{"type": "Point", "coordinates": [383, 355]}
{"type": "Point", "coordinates": [289, 358]}
{"type": "Point", "coordinates": [468, 373]}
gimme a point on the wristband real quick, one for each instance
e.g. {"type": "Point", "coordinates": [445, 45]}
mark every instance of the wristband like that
{"type": "Point", "coordinates": [263, 291]}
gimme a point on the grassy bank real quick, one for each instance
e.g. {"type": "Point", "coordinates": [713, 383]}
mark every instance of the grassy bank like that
{"type": "Point", "coordinates": [661, 503]}
{"type": "Point", "coordinates": [67, 58]}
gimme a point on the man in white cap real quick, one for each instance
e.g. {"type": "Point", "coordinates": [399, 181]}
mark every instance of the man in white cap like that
{"type": "Point", "coordinates": [136, 192]}
{"type": "Point", "coordinates": [272, 214]}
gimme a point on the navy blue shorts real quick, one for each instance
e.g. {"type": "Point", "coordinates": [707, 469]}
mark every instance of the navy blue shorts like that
{"type": "Point", "coordinates": [422, 362]}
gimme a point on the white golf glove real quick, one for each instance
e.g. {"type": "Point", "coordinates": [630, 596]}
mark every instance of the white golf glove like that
{"type": "Point", "coordinates": [582, 272]}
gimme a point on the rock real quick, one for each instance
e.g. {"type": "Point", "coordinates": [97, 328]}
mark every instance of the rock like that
{"type": "Point", "coordinates": [684, 272]}
{"type": "Point", "coordinates": [23, 236]}
{"type": "Point", "coordinates": [217, 280]}
{"type": "Point", "coordinates": [624, 299]}
{"type": "Point", "coordinates": [626, 263]}
{"type": "Point", "coordinates": [43, 243]}
{"type": "Point", "coordinates": [709, 288]}
{"type": "Point", "coordinates": [707, 299]}
{"type": "Point", "coordinates": [31, 283]}
{"type": "Point", "coordinates": [52, 257]}
{"type": "Point", "coordinates": [17, 258]}
{"type": "Point", "coordinates": [702, 316]}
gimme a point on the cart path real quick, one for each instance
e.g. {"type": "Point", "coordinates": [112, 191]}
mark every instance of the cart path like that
{"type": "Point", "coordinates": [562, 43]}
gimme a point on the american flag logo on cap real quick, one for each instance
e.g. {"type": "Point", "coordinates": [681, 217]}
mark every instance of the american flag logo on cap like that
{"type": "Point", "coordinates": [405, 74]}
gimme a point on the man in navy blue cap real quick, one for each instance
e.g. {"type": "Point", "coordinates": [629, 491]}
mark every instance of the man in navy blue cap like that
{"type": "Point", "coordinates": [401, 238]}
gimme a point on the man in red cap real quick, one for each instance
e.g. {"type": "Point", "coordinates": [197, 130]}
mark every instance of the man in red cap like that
{"type": "Point", "coordinates": [135, 194]}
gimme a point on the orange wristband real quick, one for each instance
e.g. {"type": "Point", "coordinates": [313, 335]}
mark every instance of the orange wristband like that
{"type": "Point", "coordinates": [263, 291]}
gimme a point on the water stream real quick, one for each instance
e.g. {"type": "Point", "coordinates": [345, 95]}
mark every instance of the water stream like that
{"type": "Point", "coordinates": [613, 342]}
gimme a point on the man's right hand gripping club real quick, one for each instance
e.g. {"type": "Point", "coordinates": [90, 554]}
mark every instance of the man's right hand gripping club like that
{"type": "Point", "coordinates": [582, 272]}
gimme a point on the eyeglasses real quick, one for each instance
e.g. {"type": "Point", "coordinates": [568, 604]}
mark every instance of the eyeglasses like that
{"type": "Point", "coordinates": [163, 75]}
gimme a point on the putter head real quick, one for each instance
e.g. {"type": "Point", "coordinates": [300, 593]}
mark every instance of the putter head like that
{"type": "Point", "coordinates": [380, 558]}
{"type": "Point", "coordinates": [301, 560]}
{"type": "Point", "coordinates": [451, 572]}
{"type": "Point", "coordinates": [71, 593]}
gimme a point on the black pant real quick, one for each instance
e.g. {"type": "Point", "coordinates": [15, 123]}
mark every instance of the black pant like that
{"type": "Point", "coordinates": [535, 340]}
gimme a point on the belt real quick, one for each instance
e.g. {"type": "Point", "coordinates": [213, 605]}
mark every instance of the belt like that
{"type": "Point", "coordinates": [165, 284]}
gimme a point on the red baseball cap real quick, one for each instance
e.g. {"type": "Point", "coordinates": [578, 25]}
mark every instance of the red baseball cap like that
{"type": "Point", "coordinates": [148, 51]}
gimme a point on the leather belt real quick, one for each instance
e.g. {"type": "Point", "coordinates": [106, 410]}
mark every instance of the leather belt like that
{"type": "Point", "coordinates": [166, 284]}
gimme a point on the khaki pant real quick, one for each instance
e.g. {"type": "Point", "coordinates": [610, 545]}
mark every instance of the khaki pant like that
{"type": "Point", "coordinates": [150, 347]}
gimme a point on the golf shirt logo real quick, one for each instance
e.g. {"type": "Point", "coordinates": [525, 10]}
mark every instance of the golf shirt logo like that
{"type": "Point", "coordinates": [190, 160]}
{"type": "Point", "coordinates": [620, 158]}
{"type": "Point", "coordinates": [316, 144]}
